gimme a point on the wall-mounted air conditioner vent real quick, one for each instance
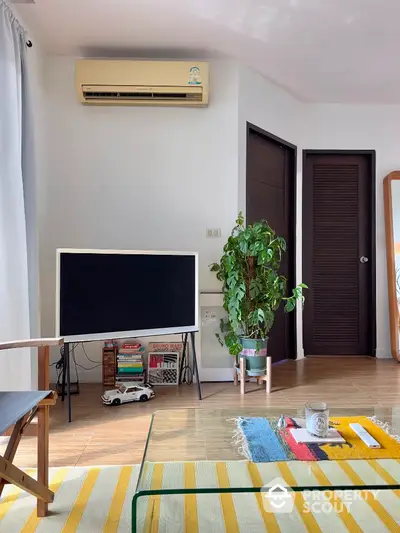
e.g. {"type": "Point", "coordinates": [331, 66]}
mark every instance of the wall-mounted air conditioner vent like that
{"type": "Point", "coordinates": [142, 82]}
{"type": "Point", "coordinates": [164, 94]}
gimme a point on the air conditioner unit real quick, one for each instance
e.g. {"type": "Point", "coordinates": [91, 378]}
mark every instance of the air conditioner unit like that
{"type": "Point", "coordinates": [123, 82]}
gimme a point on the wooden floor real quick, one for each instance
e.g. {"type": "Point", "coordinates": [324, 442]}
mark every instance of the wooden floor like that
{"type": "Point", "coordinates": [101, 435]}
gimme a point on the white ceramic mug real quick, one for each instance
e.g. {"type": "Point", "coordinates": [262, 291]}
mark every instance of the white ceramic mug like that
{"type": "Point", "coordinates": [317, 419]}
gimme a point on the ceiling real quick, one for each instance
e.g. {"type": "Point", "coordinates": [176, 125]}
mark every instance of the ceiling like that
{"type": "Point", "coordinates": [319, 50]}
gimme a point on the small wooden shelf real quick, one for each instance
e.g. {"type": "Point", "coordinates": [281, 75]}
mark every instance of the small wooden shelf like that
{"type": "Point", "coordinates": [109, 366]}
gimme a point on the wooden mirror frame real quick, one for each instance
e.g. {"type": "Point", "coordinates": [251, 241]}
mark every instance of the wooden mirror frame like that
{"type": "Point", "coordinates": [390, 261]}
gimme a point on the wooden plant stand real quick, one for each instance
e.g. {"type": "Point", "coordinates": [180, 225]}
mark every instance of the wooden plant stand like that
{"type": "Point", "coordinates": [9, 473]}
{"type": "Point", "coordinates": [241, 376]}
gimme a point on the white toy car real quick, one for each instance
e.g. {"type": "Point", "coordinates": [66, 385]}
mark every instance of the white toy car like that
{"type": "Point", "coordinates": [127, 392]}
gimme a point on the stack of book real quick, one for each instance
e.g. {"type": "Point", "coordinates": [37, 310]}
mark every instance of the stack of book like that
{"type": "Point", "coordinates": [130, 365]}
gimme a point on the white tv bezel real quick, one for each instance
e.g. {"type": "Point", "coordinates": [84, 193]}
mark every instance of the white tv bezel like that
{"type": "Point", "coordinates": [131, 333]}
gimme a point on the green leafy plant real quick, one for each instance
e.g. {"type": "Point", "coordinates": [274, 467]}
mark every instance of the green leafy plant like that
{"type": "Point", "coordinates": [252, 287]}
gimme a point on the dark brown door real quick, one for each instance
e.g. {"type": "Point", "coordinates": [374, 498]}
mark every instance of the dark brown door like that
{"type": "Point", "coordinates": [338, 253]}
{"type": "Point", "coordinates": [270, 186]}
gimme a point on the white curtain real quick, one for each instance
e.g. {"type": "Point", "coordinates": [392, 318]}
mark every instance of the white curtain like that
{"type": "Point", "coordinates": [15, 186]}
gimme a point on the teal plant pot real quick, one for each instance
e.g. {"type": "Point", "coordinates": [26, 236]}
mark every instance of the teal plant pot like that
{"type": "Point", "coordinates": [255, 353]}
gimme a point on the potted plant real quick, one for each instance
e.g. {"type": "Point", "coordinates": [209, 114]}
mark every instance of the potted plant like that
{"type": "Point", "coordinates": [253, 289]}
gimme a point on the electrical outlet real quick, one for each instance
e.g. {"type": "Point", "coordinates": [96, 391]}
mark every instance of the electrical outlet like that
{"type": "Point", "coordinates": [213, 232]}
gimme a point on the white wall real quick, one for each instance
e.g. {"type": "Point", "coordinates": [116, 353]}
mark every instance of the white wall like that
{"type": "Point", "coordinates": [136, 177]}
{"type": "Point", "coordinates": [158, 177]}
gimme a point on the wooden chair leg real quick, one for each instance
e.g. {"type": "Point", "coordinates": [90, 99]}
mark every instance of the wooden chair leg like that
{"type": "Point", "coordinates": [43, 427]}
{"type": "Point", "coordinates": [269, 371]}
{"type": "Point", "coordinates": [21, 479]}
{"type": "Point", "coordinates": [43, 455]}
{"type": "Point", "coordinates": [242, 375]}
{"type": "Point", "coordinates": [13, 445]}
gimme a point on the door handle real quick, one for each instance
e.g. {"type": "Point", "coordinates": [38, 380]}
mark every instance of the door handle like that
{"type": "Point", "coordinates": [363, 259]}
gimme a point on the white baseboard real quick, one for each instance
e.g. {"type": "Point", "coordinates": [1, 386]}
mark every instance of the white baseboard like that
{"type": "Point", "coordinates": [383, 354]}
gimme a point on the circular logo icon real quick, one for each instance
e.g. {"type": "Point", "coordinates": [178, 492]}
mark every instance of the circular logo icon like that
{"type": "Point", "coordinates": [319, 424]}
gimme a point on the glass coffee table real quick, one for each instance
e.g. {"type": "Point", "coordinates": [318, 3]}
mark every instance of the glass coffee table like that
{"type": "Point", "coordinates": [194, 477]}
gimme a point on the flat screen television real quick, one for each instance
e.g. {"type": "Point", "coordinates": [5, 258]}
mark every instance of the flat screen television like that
{"type": "Point", "coordinates": [106, 294]}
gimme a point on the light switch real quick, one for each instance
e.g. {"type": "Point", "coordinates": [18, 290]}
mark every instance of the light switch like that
{"type": "Point", "coordinates": [213, 232]}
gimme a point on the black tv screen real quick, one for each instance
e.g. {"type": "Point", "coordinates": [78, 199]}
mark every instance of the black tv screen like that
{"type": "Point", "coordinates": [103, 294]}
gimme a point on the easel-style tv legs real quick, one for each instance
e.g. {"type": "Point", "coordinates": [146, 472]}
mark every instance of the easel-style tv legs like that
{"type": "Point", "coordinates": [67, 375]}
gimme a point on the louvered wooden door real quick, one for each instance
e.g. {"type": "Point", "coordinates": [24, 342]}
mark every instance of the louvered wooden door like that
{"type": "Point", "coordinates": [337, 248]}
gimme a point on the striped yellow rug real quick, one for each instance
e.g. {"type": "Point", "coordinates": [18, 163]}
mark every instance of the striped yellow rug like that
{"type": "Point", "coordinates": [87, 500]}
{"type": "Point", "coordinates": [98, 499]}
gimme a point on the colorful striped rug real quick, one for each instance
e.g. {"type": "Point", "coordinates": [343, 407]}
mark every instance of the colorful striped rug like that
{"type": "Point", "coordinates": [260, 440]}
{"type": "Point", "coordinates": [98, 500]}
